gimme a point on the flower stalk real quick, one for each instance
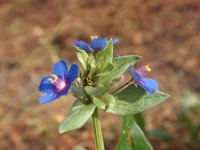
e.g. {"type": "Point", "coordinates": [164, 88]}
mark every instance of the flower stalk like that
{"type": "Point", "coordinates": [129, 82]}
{"type": "Point", "coordinates": [97, 130]}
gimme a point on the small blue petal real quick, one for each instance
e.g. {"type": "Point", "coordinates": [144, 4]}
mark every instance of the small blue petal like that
{"type": "Point", "coordinates": [82, 45]}
{"type": "Point", "coordinates": [135, 75]}
{"type": "Point", "coordinates": [149, 85]}
{"type": "Point", "coordinates": [115, 41]}
{"type": "Point", "coordinates": [105, 39]}
{"type": "Point", "coordinates": [73, 73]}
{"type": "Point", "coordinates": [49, 97]}
{"type": "Point", "coordinates": [60, 69]}
{"type": "Point", "coordinates": [45, 85]}
{"type": "Point", "coordinates": [98, 43]}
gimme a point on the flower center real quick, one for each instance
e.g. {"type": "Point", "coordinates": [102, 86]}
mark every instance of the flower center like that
{"type": "Point", "coordinates": [60, 84]}
{"type": "Point", "coordinates": [143, 71]}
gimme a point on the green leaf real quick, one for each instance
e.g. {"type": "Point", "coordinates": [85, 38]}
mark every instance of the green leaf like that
{"type": "Point", "coordinates": [139, 118]}
{"type": "Point", "coordinates": [82, 57]}
{"type": "Point", "coordinates": [78, 117]}
{"type": "Point", "coordinates": [79, 148]}
{"type": "Point", "coordinates": [108, 68]}
{"type": "Point", "coordinates": [121, 64]}
{"type": "Point", "coordinates": [139, 141]}
{"type": "Point", "coordinates": [77, 105]}
{"type": "Point", "coordinates": [132, 137]}
{"type": "Point", "coordinates": [106, 53]}
{"type": "Point", "coordinates": [95, 91]}
{"type": "Point", "coordinates": [108, 99]}
{"type": "Point", "coordinates": [91, 66]}
{"type": "Point", "coordinates": [124, 142]}
{"type": "Point", "coordinates": [77, 90]}
{"type": "Point", "coordinates": [134, 99]}
{"type": "Point", "coordinates": [99, 103]}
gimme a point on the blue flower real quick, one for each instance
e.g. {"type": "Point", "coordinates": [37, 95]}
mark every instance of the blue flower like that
{"type": "Point", "coordinates": [59, 82]}
{"type": "Point", "coordinates": [148, 84]}
{"type": "Point", "coordinates": [97, 44]}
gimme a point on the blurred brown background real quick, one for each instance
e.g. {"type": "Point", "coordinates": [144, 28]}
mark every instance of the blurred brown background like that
{"type": "Point", "coordinates": [166, 33]}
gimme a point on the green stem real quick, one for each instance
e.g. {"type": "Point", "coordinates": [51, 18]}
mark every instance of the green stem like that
{"type": "Point", "coordinates": [97, 130]}
{"type": "Point", "coordinates": [130, 81]}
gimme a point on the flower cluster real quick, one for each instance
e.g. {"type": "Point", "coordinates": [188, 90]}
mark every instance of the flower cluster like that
{"type": "Point", "coordinates": [61, 78]}
{"type": "Point", "coordinates": [97, 44]}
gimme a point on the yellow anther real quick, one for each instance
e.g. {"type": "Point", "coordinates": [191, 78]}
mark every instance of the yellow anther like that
{"type": "Point", "coordinates": [54, 76]}
{"type": "Point", "coordinates": [93, 37]}
{"type": "Point", "coordinates": [147, 68]}
{"type": "Point", "coordinates": [51, 80]}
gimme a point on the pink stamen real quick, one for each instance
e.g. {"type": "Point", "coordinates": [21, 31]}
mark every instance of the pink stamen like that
{"type": "Point", "coordinates": [143, 71]}
{"type": "Point", "coordinates": [60, 84]}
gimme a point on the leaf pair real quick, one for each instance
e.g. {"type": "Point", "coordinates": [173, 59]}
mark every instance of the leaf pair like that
{"type": "Point", "coordinates": [129, 101]}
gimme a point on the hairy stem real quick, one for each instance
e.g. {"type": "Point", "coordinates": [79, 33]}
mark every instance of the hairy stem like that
{"type": "Point", "coordinates": [97, 130]}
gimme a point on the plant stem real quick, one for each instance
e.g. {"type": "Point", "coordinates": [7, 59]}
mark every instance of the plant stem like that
{"type": "Point", "coordinates": [97, 130]}
{"type": "Point", "coordinates": [123, 86]}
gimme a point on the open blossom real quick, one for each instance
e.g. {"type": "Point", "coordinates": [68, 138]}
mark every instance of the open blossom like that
{"type": "Point", "coordinates": [148, 84]}
{"type": "Point", "coordinates": [59, 82]}
{"type": "Point", "coordinates": [97, 44]}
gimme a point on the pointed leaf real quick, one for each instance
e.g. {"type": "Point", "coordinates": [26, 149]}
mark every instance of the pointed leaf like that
{"type": "Point", "coordinates": [108, 99]}
{"type": "Point", "coordinates": [106, 54]}
{"type": "Point", "coordinates": [121, 64]}
{"type": "Point", "coordinates": [91, 65]}
{"type": "Point", "coordinates": [77, 105]}
{"type": "Point", "coordinates": [79, 148]}
{"type": "Point", "coordinates": [132, 137]}
{"type": "Point", "coordinates": [108, 68]}
{"type": "Point", "coordinates": [134, 99]}
{"type": "Point", "coordinates": [82, 57]}
{"type": "Point", "coordinates": [95, 91]}
{"type": "Point", "coordinates": [139, 140]}
{"type": "Point", "coordinates": [99, 103]}
{"type": "Point", "coordinates": [77, 119]}
{"type": "Point", "coordinates": [77, 90]}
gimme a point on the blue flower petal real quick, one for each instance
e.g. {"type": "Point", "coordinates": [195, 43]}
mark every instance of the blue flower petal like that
{"type": "Point", "coordinates": [98, 43]}
{"type": "Point", "coordinates": [45, 85]}
{"type": "Point", "coordinates": [49, 97]}
{"type": "Point", "coordinates": [135, 75]}
{"type": "Point", "coordinates": [149, 85]}
{"type": "Point", "coordinates": [115, 41]}
{"type": "Point", "coordinates": [73, 73]}
{"type": "Point", "coordinates": [82, 45]}
{"type": "Point", "coordinates": [60, 69]}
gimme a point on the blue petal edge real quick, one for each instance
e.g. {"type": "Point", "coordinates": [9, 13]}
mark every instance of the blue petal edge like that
{"type": "Point", "coordinates": [135, 75]}
{"type": "Point", "coordinates": [49, 97]}
{"type": "Point", "coordinates": [115, 41]}
{"type": "Point", "coordinates": [149, 85]}
{"type": "Point", "coordinates": [45, 85]}
{"type": "Point", "coordinates": [60, 69]}
{"type": "Point", "coordinates": [82, 45]}
{"type": "Point", "coordinates": [98, 43]}
{"type": "Point", "coordinates": [73, 73]}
